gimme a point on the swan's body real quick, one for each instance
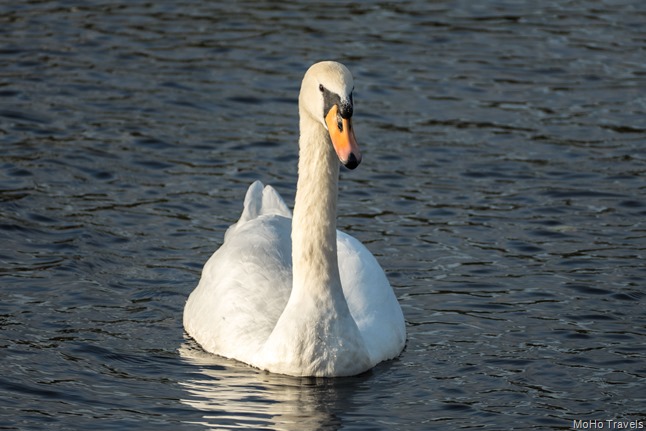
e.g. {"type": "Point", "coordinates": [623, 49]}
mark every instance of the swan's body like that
{"type": "Point", "coordinates": [294, 295]}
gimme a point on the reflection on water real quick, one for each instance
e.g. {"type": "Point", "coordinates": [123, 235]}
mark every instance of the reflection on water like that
{"type": "Point", "coordinates": [230, 394]}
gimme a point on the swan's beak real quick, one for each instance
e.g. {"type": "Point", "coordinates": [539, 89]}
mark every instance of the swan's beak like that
{"type": "Point", "coordinates": [343, 140]}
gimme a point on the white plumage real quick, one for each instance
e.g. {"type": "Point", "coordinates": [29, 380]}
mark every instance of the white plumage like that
{"type": "Point", "coordinates": [294, 295]}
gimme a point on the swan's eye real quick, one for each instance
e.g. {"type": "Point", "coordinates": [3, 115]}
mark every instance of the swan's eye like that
{"type": "Point", "coordinates": [321, 88]}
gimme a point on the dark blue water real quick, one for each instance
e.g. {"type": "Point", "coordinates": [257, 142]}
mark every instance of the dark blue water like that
{"type": "Point", "coordinates": [502, 189]}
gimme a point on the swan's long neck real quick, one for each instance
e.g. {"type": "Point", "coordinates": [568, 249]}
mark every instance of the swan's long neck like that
{"type": "Point", "coordinates": [316, 335]}
{"type": "Point", "coordinates": [314, 250]}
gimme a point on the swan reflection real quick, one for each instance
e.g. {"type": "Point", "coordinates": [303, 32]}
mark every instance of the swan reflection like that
{"type": "Point", "coordinates": [233, 395]}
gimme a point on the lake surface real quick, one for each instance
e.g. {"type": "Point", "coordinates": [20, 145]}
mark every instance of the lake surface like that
{"type": "Point", "coordinates": [502, 189]}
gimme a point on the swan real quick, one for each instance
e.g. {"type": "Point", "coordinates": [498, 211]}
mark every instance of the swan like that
{"type": "Point", "coordinates": [292, 294]}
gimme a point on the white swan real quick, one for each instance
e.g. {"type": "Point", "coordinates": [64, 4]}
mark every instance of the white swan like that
{"type": "Point", "coordinates": [313, 304]}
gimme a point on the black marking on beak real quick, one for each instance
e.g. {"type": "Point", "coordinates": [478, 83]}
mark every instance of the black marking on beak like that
{"type": "Point", "coordinates": [352, 162]}
{"type": "Point", "coordinates": [345, 108]}
{"type": "Point", "coordinates": [330, 99]}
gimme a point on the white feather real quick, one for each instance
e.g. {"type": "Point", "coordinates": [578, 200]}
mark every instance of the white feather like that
{"type": "Point", "coordinates": [284, 294]}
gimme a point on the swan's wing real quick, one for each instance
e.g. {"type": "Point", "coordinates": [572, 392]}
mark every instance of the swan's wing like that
{"type": "Point", "coordinates": [371, 299]}
{"type": "Point", "coordinates": [246, 283]}
{"type": "Point", "coordinates": [260, 200]}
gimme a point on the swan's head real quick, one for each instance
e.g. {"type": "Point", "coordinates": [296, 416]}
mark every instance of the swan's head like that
{"type": "Point", "coordinates": [326, 96]}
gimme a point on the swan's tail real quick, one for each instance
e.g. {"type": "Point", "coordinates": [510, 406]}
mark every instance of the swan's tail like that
{"type": "Point", "coordinates": [260, 200]}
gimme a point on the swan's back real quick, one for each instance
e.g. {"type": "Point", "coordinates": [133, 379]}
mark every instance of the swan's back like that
{"type": "Point", "coordinates": [246, 283]}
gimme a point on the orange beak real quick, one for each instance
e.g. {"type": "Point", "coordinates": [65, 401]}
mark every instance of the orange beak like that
{"type": "Point", "coordinates": [343, 140]}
